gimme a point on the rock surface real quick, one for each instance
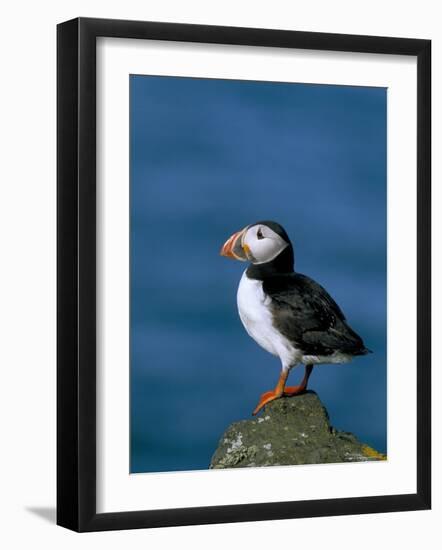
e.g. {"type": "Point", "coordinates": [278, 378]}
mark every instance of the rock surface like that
{"type": "Point", "coordinates": [293, 430]}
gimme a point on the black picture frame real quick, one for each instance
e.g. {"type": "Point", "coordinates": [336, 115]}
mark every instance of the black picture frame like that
{"type": "Point", "coordinates": [76, 274]}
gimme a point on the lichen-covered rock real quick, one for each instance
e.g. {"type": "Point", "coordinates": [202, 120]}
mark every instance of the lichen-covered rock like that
{"type": "Point", "coordinates": [292, 430]}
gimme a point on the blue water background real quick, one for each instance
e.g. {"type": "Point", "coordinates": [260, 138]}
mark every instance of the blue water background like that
{"type": "Point", "coordinates": [208, 157]}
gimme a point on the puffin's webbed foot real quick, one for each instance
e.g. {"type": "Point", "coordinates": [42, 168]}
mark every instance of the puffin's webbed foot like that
{"type": "Point", "coordinates": [266, 398]}
{"type": "Point", "coordinates": [294, 390]}
{"type": "Point", "coordinates": [282, 390]}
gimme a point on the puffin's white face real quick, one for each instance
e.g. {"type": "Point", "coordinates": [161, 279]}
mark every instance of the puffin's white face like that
{"type": "Point", "coordinates": [255, 243]}
{"type": "Point", "coordinates": [262, 244]}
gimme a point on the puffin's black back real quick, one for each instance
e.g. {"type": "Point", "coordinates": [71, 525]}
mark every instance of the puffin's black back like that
{"type": "Point", "coordinates": [305, 313]}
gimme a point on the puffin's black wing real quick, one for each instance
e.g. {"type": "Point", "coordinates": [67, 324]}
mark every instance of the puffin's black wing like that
{"type": "Point", "coordinates": [308, 316]}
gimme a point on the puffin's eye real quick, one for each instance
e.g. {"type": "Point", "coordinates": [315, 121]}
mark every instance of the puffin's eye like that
{"type": "Point", "coordinates": [259, 234]}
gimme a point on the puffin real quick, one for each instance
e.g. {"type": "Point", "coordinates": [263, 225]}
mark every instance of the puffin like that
{"type": "Point", "coordinates": [288, 314]}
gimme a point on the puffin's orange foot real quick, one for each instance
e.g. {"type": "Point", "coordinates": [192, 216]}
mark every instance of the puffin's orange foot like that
{"type": "Point", "coordinates": [266, 398]}
{"type": "Point", "coordinates": [294, 390]}
{"type": "Point", "coordinates": [282, 390]}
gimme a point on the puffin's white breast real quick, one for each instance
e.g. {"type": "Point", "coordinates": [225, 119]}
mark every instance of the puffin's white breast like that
{"type": "Point", "coordinates": [255, 314]}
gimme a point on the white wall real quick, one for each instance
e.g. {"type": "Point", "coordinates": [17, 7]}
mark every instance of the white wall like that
{"type": "Point", "coordinates": [27, 274]}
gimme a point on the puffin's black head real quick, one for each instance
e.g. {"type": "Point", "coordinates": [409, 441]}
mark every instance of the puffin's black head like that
{"type": "Point", "coordinates": [259, 243]}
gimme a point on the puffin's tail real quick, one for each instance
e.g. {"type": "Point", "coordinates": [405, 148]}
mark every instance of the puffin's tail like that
{"type": "Point", "coordinates": [363, 351]}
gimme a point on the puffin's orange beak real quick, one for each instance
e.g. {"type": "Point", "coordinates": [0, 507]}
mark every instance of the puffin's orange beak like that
{"type": "Point", "coordinates": [233, 247]}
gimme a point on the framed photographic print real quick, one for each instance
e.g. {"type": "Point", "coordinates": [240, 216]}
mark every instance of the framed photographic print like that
{"type": "Point", "coordinates": [243, 274]}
